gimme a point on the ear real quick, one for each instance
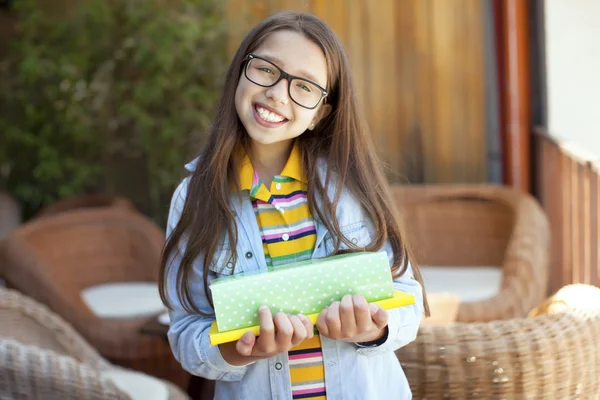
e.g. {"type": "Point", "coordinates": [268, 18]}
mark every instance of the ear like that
{"type": "Point", "coordinates": [323, 112]}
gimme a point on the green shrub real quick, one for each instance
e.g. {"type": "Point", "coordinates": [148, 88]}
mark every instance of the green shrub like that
{"type": "Point", "coordinates": [108, 96]}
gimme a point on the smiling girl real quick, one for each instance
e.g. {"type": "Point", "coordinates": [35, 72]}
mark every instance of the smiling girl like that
{"type": "Point", "coordinates": [288, 174]}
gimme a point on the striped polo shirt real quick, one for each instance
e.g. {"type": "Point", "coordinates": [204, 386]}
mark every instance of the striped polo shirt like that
{"type": "Point", "coordinates": [288, 234]}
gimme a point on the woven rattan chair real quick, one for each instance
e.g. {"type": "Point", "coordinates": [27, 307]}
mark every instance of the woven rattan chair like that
{"type": "Point", "coordinates": [481, 225]}
{"type": "Point", "coordinates": [42, 357]}
{"type": "Point", "coordinates": [53, 259]}
{"type": "Point", "coordinates": [86, 201]}
{"type": "Point", "coordinates": [547, 357]}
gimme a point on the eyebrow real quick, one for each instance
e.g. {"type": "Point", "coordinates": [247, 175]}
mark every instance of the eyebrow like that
{"type": "Point", "coordinates": [281, 64]}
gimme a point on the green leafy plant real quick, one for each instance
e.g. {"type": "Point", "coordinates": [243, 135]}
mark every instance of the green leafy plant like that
{"type": "Point", "coordinates": [108, 96]}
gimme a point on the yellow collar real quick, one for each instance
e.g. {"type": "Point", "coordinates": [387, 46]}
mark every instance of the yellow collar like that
{"type": "Point", "coordinates": [292, 169]}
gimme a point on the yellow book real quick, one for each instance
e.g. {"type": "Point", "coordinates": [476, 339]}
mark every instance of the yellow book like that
{"type": "Point", "coordinates": [399, 299]}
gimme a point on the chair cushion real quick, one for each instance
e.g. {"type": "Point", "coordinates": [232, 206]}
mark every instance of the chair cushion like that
{"type": "Point", "coordinates": [164, 319]}
{"type": "Point", "coordinates": [470, 284]}
{"type": "Point", "coordinates": [574, 297]}
{"type": "Point", "coordinates": [138, 386]}
{"type": "Point", "coordinates": [123, 300]}
{"type": "Point", "coordinates": [443, 307]}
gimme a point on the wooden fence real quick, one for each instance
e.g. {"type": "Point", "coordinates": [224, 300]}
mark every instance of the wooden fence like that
{"type": "Point", "coordinates": [419, 70]}
{"type": "Point", "coordinates": [568, 185]}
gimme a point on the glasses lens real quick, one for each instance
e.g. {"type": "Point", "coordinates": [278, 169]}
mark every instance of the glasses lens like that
{"type": "Point", "coordinates": [262, 72]}
{"type": "Point", "coordinates": [305, 93]}
{"type": "Point", "coordinates": [265, 73]}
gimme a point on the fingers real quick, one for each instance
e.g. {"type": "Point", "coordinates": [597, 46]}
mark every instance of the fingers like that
{"type": "Point", "coordinates": [332, 320]}
{"type": "Point", "coordinates": [322, 322]}
{"type": "Point", "coordinates": [277, 334]}
{"type": "Point", "coordinates": [245, 345]}
{"type": "Point", "coordinates": [350, 318]}
{"type": "Point", "coordinates": [362, 313]}
{"type": "Point", "coordinates": [266, 338]}
{"type": "Point", "coordinates": [310, 329]}
{"type": "Point", "coordinates": [347, 318]}
{"type": "Point", "coordinates": [285, 330]}
{"type": "Point", "coordinates": [379, 315]}
{"type": "Point", "coordinates": [298, 329]}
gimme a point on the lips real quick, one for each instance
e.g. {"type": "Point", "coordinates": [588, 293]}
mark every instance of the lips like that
{"type": "Point", "coordinates": [267, 117]}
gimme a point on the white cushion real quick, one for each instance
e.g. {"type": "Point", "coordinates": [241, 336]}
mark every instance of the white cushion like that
{"type": "Point", "coordinates": [138, 386]}
{"type": "Point", "coordinates": [468, 283]}
{"type": "Point", "coordinates": [443, 308]}
{"type": "Point", "coordinates": [124, 300]}
{"type": "Point", "coordinates": [164, 319]}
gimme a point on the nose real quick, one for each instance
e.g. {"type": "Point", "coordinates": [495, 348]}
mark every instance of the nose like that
{"type": "Point", "coordinates": [279, 92]}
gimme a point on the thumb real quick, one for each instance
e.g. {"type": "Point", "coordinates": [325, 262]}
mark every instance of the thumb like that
{"type": "Point", "coordinates": [378, 315]}
{"type": "Point", "coordinates": [246, 343]}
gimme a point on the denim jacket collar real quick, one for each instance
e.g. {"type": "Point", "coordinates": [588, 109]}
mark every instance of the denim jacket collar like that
{"type": "Point", "coordinates": [248, 221]}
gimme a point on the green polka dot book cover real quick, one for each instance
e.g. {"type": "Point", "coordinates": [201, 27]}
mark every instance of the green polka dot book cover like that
{"type": "Point", "coordinates": [305, 287]}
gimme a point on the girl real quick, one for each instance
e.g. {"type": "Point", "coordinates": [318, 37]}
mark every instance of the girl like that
{"type": "Point", "coordinates": [288, 174]}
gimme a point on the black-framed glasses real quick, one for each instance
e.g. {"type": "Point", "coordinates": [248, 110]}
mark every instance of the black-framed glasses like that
{"type": "Point", "coordinates": [263, 72]}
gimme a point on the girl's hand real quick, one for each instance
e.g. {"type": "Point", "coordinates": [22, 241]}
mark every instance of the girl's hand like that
{"type": "Point", "coordinates": [277, 335]}
{"type": "Point", "coordinates": [353, 320]}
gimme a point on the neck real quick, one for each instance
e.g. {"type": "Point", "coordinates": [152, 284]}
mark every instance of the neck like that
{"type": "Point", "coordinates": [269, 160]}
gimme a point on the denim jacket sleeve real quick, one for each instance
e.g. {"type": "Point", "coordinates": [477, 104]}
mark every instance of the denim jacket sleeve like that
{"type": "Point", "coordinates": [188, 333]}
{"type": "Point", "coordinates": [404, 322]}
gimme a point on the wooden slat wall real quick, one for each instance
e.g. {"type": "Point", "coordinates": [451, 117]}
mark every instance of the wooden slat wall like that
{"type": "Point", "coordinates": [419, 70]}
{"type": "Point", "coordinates": [569, 188]}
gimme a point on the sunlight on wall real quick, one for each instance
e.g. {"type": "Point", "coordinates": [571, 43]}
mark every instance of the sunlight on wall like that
{"type": "Point", "coordinates": [573, 72]}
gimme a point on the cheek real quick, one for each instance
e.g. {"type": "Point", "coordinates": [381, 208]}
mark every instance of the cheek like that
{"type": "Point", "coordinates": [303, 116]}
{"type": "Point", "coordinates": [243, 95]}
{"type": "Point", "coordinates": [239, 96]}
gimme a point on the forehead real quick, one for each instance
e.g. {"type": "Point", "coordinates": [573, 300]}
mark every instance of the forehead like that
{"type": "Point", "coordinates": [296, 54]}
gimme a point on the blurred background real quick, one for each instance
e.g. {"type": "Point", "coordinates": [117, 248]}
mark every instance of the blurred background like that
{"type": "Point", "coordinates": [113, 97]}
{"type": "Point", "coordinates": [102, 102]}
{"type": "Point", "coordinates": [106, 96]}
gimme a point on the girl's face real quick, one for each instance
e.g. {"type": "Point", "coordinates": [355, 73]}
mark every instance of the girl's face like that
{"type": "Point", "coordinates": [270, 117]}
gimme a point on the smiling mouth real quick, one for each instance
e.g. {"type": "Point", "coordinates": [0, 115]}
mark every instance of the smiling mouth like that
{"type": "Point", "coordinates": [268, 115]}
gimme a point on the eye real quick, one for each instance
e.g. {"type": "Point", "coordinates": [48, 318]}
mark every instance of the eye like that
{"type": "Point", "coordinates": [266, 69]}
{"type": "Point", "coordinates": [304, 87]}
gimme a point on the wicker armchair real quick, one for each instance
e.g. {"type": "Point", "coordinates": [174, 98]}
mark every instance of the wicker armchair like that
{"type": "Point", "coordinates": [42, 357]}
{"type": "Point", "coordinates": [86, 201]}
{"type": "Point", "coordinates": [477, 225]}
{"type": "Point", "coordinates": [53, 259]}
{"type": "Point", "coordinates": [554, 356]}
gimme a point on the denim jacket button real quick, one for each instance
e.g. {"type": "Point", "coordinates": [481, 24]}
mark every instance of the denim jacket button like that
{"type": "Point", "coordinates": [278, 366]}
{"type": "Point", "coordinates": [249, 255]}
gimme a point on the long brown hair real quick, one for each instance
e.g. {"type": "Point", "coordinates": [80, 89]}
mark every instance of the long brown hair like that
{"type": "Point", "coordinates": [341, 138]}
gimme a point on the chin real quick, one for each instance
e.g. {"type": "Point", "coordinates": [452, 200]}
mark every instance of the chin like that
{"type": "Point", "coordinates": [262, 139]}
{"type": "Point", "coordinates": [269, 140]}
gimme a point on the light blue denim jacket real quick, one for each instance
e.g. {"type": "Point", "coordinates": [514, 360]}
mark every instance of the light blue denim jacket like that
{"type": "Point", "coordinates": [351, 372]}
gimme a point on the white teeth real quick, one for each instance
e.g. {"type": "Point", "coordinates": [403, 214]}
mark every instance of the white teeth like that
{"type": "Point", "coordinates": [269, 116]}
